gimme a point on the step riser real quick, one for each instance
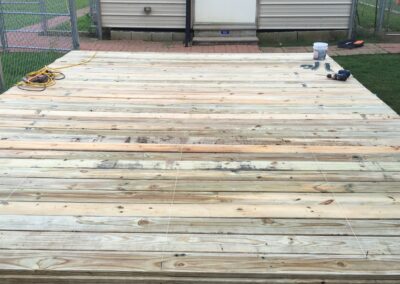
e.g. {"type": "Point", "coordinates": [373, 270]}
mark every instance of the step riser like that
{"type": "Point", "coordinates": [216, 27]}
{"type": "Point", "coordinates": [221, 40]}
{"type": "Point", "coordinates": [225, 33]}
{"type": "Point", "coordinates": [205, 43]}
{"type": "Point", "coordinates": [206, 34]}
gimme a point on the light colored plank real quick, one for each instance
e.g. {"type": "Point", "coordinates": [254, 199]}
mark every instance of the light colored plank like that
{"type": "Point", "coordinates": [150, 185]}
{"type": "Point", "coordinates": [327, 209]}
{"type": "Point", "coordinates": [209, 175]}
{"type": "Point", "coordinates": [127, 147]}
{"type": "Point", "coordinates": [231, 265]}
{"type": "Point", "coordinates": [183, 243]}
{"type": "Point", "coordinates": [230, 226]}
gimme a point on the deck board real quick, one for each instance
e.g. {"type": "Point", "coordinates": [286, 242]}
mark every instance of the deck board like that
{"type": "Point", "coordinates": [198, 168]}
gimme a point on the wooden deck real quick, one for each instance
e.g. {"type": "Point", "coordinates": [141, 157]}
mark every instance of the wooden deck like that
{"type": "Point", "coordinates": [177, 168]}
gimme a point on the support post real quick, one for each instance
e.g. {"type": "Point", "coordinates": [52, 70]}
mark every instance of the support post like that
{"type": "Point", "coordinates": [3, 48]}
{"type": "Point", "coordinates": [188, 27]}
{"type": "Point", "coordinates": [381, 15]}
{"type": "Point", "coordinates": [3, 31]}
{"type": "Point", "coordinates": [92, 7]}
{"type": "Point", "coordinates": [2, 80]}
{"type": "Point", "coordinates": [42, 4]}
{"type": "Point", "coordinates": [74, 24]}
{"type": "Point", "coordinates": [99, 25]}
{"type": "Point", "coordinates": [352, 21]}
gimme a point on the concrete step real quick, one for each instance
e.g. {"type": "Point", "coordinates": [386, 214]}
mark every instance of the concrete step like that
{"type": "Point", "coordinates": [224, 26]}
{"type": "Point", "coordinates": [225, 33]}
{"type": "Point", "coordinates": [392, 37]}
{"type": "Point", "coordinates": [225, 40]}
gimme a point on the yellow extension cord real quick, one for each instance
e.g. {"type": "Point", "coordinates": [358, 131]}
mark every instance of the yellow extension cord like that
{"type": "Point", "coordinates": [46, 77]}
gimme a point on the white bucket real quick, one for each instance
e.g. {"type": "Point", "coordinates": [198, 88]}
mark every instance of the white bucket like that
{"type": "Point", "coordinates": [320, 50]}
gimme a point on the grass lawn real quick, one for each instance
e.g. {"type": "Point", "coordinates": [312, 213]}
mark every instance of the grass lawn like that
{"type": "Point", "coordinates": [366, 13]}
{"type": "Point", "coordinates": [20, 21]}
{"type": "Point", "coordinates": [84, 25]}
{"type": "Point", "coordinates": [379, 73]}
{"type": "Point", "coordinates": [17, 64]}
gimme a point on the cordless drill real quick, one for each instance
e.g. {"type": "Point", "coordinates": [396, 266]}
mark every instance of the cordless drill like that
{"type": "Point", "coordinates": [341, 75]}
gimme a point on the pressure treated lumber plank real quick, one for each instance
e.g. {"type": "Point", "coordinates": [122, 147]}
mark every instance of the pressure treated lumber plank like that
{"type": "Point", "coordinates": [273, 139]}
{"type": "Point", "coordinates": [52, 154]}
{"type": "Point", "coordinates": [208, 175]}
{"type": "Point", "coordinates": [203, 165]}
{"type": "Point", "coordinates": [202, 197]}
{"type": "Point", "coordinates": [48, 279]}
{"type": "Point", "coordinates": [183, 159]}
{"type": "Point", "coordinates": [183, 243]}
{"type": "Point", "coordinates": [212, 225]}
{"type": "Point", "coordinates": [183, 185]}
{"type": "Point", "coordinates": [326, 209]}
{"type": "Point", "coordinates": [129, 116]}
{"type": "Point", "coordinates": [232, 265]}
{"type": "Point", "coordinates": [190, 127]}
{"type": "Point", "coordinates": [22, 145]}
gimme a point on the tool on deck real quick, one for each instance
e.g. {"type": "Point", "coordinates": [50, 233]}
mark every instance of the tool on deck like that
{"type": "Point", "coordinates": [328, 67]}
{"type": "Point", "coordinates": [41, 79]}
{"type": "Point", "coordinates": [341, 75]}
{"type": "Point", "coordinates": [350, 44]}
{"type": "Point", "coordinates": [311, 67]}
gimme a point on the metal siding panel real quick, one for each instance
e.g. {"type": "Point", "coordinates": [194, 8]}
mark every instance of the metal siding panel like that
{"type": "Point", "coordinates": [274, 14]}
{"type": "Point", "coordinates": [130, 14]}
{"type": "Point", "coordinates": [301, 14]}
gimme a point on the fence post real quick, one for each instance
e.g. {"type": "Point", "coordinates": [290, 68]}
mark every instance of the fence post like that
{"type": "Point", "coordinates": [2, 80]}
{"type": "Point", "coordinates": [4, 47]}
{"type": "Point", "coordinates": [99, 25]}
{"type": "Point", "coordinates": [91, 7]}
{"type": "Point", "coordinates": [74, 24]}
{"type": "Point", "coordinates": [3, 32]}
{"type": "Point", "coordinates": [353, 12]}
{"type": "Point", "coordinates": [381, 15]}
{"type": "Point", "coordinates": [188, 25]}
{"type": "Point", "coordinates": [43, 11]}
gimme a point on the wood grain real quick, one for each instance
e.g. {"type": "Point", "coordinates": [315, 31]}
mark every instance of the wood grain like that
{"type": "Point", "coordinates": [198, 168]}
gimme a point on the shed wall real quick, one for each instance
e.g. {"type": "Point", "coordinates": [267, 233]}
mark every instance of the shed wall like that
{"type": "Point", "coordinates": [168, 14]}
{"type": "Point", "coordinates": [272, 14]}
{"type": "Point", "coordinates": [304, 14]}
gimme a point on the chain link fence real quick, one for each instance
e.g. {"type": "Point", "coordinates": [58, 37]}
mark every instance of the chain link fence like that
{"type": "Point", "coordinates": [378, 16]}
{"type": "Point", "coordinates": [95, 17]}
{"type": "Point", "coordinates": [33, 33]}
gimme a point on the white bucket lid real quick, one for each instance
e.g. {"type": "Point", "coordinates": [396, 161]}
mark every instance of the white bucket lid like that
{"type": "Point", "coordinates": [320, 45]}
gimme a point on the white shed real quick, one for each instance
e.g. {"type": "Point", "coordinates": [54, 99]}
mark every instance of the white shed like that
{"type": "Point", "coordinates": [228, 15]}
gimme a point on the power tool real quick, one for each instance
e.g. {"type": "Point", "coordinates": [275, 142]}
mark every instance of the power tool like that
{"type": "Point", "coordinates": [341, 75]}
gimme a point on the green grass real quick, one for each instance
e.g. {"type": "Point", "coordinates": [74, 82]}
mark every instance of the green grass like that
{"type": "Point", "coordinates": [294, 43]}
{"type": "Point", "coordinates": [20, 21]}
{"type": "Point", "coordinates": [379, 73]}
{"type": "Point", "coordinates": [17, 64]}
{"type": "Point", "coordinates": [390, 3]}
{"type": "Point", "coordinates": [84, 25]}
{"type": "Point", "coordinates": [366, 16]}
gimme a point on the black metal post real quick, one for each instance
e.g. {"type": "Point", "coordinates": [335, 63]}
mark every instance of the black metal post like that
{"type": "Point", "coordinates": [99, 25]}
{"type": "Point", "coordinates": [43, 10]}
{"type": "Point", "coordinates": [188, 28]}
{"type": "Point", "coordinates": [74, 24]}
{"type": "Point", "coordinates": [3, 47]}
{"type": "Point", "coordinates": [353, 12]}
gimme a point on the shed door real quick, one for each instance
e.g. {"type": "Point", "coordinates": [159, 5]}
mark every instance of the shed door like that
{"type": "Point", "coordinates": [225, 11]}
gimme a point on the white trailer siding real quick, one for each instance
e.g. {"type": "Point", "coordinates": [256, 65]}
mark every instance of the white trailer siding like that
{"type": "Point", "coordinates": [272, 14]}
{"type": "Point", "coordinates": [304, 14]}
{"type": "Point", "coordinates": [166, 14]}
{"type": "Point", "coordinates": [225, 11]}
